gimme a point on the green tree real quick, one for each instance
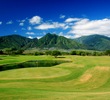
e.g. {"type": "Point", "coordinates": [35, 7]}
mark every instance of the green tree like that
{"type": "Point", "coordinates": [107, 52]}
{"type": "Point", "coordinates": [38, 53]}
{"type": "Point", "coordinates": [73, 52]}
{"type": "Point", "coordinates": [8, 51]}
{"type": "Point", "coordinates": [48, 52]}
{"type": "Point", "coordinates": [1, 52]}
{"type": "Point", "coordinates": [56, 53]}
{"type": "Point", "coordinates": [19, 52]}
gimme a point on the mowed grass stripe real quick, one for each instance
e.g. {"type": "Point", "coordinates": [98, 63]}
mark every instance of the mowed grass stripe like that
{"type": "Point", "coordinates": [33, 73]}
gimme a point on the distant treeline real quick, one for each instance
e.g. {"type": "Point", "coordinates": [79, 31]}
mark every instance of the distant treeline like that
{"type": "Point", "coordinates": [12, 51]}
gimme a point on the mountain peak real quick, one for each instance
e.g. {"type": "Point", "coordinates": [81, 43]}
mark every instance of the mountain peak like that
{"type": "Point", "coordinates": [92, 42]}
{"type": "Point", "coordinates": [49, 34]}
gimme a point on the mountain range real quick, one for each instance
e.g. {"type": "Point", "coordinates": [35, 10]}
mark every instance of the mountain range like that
{"type": "Point", "coordinates": [53, 41]}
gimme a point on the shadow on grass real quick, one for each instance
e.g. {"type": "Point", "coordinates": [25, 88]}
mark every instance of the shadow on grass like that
{"type": "Point", "coordinates": [60, 57]}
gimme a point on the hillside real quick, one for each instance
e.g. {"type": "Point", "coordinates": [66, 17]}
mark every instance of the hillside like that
{"type": "Point", "coordinates": [95, 42]}
{"type": "Point", "coordinates": [13, 41]}
{"type": "Point", "coordinates": [31, 44]}
{"type": "Point", "coordinates": [53, 41]}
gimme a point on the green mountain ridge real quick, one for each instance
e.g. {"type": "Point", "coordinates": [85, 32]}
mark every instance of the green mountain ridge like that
{"type": "Point", "coordinates": [60, 42]}
{"type": "Point", "coordinates": [92, 42]}
{"type": "Point", "coordinates": [95, 42]}
{"type": "Point", "coordinates": [13, 41]}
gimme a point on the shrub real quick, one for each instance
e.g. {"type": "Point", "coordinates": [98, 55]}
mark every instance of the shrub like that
{"type": "Point", "coordinates": [56, 53]}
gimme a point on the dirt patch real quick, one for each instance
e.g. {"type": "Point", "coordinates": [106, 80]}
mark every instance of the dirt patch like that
{"type": "Point", "coordinates": [85, 78]}
{"type": "Point", "coordinates": [101, 68]}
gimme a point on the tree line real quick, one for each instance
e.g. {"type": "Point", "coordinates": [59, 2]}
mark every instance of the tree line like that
{"type": "Point", "coordinates": [55, 53]}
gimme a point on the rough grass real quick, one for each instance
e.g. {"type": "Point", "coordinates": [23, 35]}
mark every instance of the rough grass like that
{"type": "Point", "coordinates": [84, 78]}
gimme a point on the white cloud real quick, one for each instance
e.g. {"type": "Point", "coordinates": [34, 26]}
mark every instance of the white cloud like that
{"type": "Point", "coordinates": [9, 22]}
{"type": "Point", "coordinates": [23, 29]}
{"type": "Point", "coordinates": [58, 25]}
{"type": "Point", "coordinates": [30, 37]}
{"type": "Point", "coordinates": [35, 20]}
{"type": "Point", "coordinates": [72, 20]}
{"type": "Point", "coordinates": [65, 35]}
{"type": "Point", "coordinates": [29, 28]}
{"type": "Point", "coordinates": [86, 27]}
{"type": "Point", "coordinates": [46, 26]}
{"type": "Point", "coordinates": [69, 36]}
{"type": "Point", "coordinates": [62, 16]}
{"type": "Point", "coordinates": [61, 34]}
{"type": "Point", "coordinates": [0, 23]}
{"type": "Point", "coordinates": [21, 24]}
{"type": "Point", "coordinates": [38, 37]}
{"type": "Point", "coordinates": [30, 33]}
{"type": "Point", "coordinates": [21, 21]}
{"type": "Point", "coordinates": [66, 27]}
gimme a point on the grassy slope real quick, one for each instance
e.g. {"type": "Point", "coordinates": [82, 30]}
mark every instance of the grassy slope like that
{"type": "Point", "coordinates": [85, 78]}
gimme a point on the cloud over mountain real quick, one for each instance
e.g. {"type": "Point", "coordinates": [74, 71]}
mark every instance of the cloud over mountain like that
{"type": "Point", "coordinates": [71, 27]}
{"type": "Point", "coordinates": [52, 25]}
{"type": "Point", "coordinates": [85, 27]}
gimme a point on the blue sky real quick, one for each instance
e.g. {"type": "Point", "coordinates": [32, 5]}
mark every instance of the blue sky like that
{"type": "Point", "coordinates": [69, 18]}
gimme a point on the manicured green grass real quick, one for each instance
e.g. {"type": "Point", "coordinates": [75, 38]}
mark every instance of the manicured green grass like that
{"type": "Point", "coordinates": [83, 78]}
